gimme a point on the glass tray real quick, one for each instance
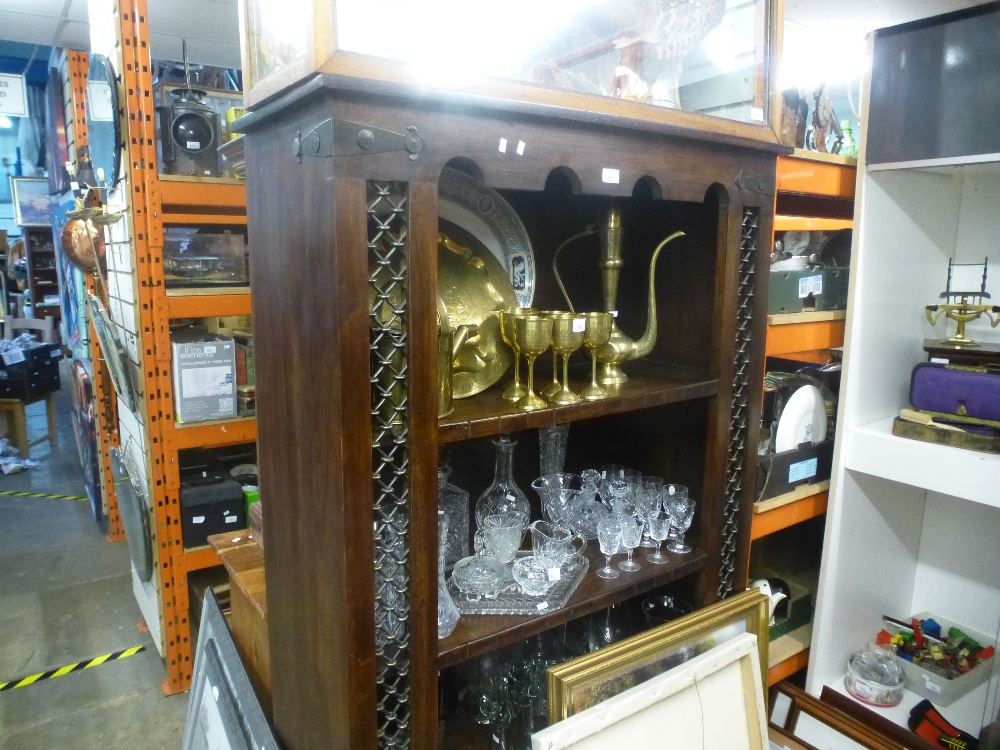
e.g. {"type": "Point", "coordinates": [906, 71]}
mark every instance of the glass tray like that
{"type": "Point", "coordinates": [512, 601]}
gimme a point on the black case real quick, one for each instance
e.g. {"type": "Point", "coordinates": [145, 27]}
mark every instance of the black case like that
{"type": "Point", "coordinates": [37, 375]}
{"type": "Point", "coordinates": [211, 503]}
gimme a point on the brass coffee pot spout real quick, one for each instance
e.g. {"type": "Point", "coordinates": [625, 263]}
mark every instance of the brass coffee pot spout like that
{"type": "Point", "coordinates": [620, 348]}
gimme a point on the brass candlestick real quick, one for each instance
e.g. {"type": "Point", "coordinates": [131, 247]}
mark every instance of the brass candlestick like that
{"type": "Point", "coordinates": [597, 333]}
{"type": "Point", "coordinates": [533, 334]}
{"type": "Point", "coordinates": [567, 336]}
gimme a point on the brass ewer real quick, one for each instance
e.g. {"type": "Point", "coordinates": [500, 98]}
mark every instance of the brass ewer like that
{"type": "Point", "coordinates": [620, 348]}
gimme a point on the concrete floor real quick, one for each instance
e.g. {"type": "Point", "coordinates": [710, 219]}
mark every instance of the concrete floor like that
{"type": "Point", "coordinates": [66, 596]}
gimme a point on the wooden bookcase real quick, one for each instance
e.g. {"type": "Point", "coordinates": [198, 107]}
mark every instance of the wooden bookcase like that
{"type": "Point", "coordinates": [340, 676]}
{"type": "Point", "coordinates": [43, 276]}
{"type": "Point", "coordinates": [821, 187]}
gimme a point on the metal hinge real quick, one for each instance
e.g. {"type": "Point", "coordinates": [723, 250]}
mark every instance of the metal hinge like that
{"type": "Point", "coordinates": [759, 183]}
{"type": "Point", "coordinates": [343, 138]}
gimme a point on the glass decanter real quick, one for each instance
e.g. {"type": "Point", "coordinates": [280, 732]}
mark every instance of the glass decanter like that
{"type": "Point", "coordinates": [454, 503]}
{"type": "Point", "coordinates": [503, 496]}
{"type": "Point", "coordinates": [447, 610]}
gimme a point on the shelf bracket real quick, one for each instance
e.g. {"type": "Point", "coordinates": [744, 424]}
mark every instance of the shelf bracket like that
{"type": "Point", "coordinates": [758, 183]}
{"type": "Point", "coordinates": [345, 138]}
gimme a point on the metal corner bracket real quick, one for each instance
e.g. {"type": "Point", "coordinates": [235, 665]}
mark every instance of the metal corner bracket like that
{"type": "Point", "coordinates": [344, 138]}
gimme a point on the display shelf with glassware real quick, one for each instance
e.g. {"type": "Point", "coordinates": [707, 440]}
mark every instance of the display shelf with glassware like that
{"type": "Point", "coordinates": [911, 526]}
{"type": "Point", "coordinates": [497, 210]}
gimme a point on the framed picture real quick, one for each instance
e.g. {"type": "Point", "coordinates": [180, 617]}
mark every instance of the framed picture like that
{"type": "Point", "coordinates": [715, 700]}
{"type": "Point", "coordinates": [56, 147]}
{"type": "Point", "coordinates": [33, 206]}
{"type": "Point", "coordinates": [584, 682]}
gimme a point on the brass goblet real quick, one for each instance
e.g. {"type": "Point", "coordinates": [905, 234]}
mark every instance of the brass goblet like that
{"type": "Point", "coordinates": [597, 333]}
{"type": "Point", "coordinates": [567, 336]}
{"type": "Point", "coordinates": [515, 391]}
{"type": "Point", "coordinates": [553, 387]}
{"type": "Point", "coordinates": [533, 334]}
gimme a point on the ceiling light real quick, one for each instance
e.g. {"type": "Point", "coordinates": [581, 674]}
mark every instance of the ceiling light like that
{"type": "Point", "coordinates": [6, 123]}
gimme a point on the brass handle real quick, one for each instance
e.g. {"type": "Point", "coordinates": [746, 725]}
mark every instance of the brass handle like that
{"type": "Point", "coordinates": [555, 257]}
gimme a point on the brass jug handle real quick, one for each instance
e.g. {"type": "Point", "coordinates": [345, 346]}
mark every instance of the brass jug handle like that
{"type": "Point", "coordinates": [555, 257]}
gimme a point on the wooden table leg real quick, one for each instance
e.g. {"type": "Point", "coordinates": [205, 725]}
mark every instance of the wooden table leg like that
{"type": "Point", "coordinates": [20, 430]}
{"type": "Point", "coordinates": [50, 408]}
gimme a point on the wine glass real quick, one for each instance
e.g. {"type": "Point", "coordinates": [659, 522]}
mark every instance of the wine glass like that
{"type": "Point", "coordinates": [609, 536]}
{"type": "Point", "coordinates": [609, 472]}
{"type": "Point", "coordinates": [597, 333]}
{"type": "Point", "coordinates": [659, 529]}
{"type": "Point", "coordinates": [631, 531]}
{"type": "Point", "coordinates": [669, 490]}
{"type": "Point", "coordinates": [515, 391]}
{"type": "Point", "coordinates": [567, 337]}
{"type": "Point", "coordinates": [681, 511]}
{"type": "Point", "coordinates": [648, 501]}
{"type": "Point", "coordinates": [533, 334]}
{"type": "Point", "coordinates": [618, 497]}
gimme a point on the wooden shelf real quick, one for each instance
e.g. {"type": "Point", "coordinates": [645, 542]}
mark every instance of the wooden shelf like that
{"type": "Point", "coordinates": [199, 558]}
{"type": "Point", "coordinates": [208, 302]}
{"type": "Point", "coordinates": [817, 316]}
{"type": "Point", "coordinates": [215, 433]}
{"type": "Point", "coordinates": [649, 385]}
{"type": "Point", "coordinates": [480, 634]}
{"type": "Point", "coordinates": [777, 513]}
{"type": "Point", "coordinates": [788, 654]}
{"type": "Point", "coordinates": [810, 224]}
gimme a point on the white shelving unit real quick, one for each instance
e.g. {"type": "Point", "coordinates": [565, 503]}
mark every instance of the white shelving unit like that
{"type": "Point", "coordinates": [911, 526]}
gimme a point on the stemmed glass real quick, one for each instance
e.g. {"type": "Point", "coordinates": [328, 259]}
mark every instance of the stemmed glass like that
{"type": "Point", "coordinates": [515, 391]}
{"type": "Point", "coordinates": [648, 502]}
{"type": "Point", "coordinates": [659, 529]}
{"type": "Point", "coordinates": [618, 492]}
{"type": "Point", "coordinates": [567, 337]}
{"type": "Point", "coordinates": [631, 531]}
{"type": "Point", "coordinates": [609, 536]}
{"type": "Point", "coordinates": [596, 334]}
{"type": "Point", "coordinates": [669, 490]}
{"type": "Point", "coordinates": [533, 334]}
{"type": "Point", "coordinates": [681, 511]}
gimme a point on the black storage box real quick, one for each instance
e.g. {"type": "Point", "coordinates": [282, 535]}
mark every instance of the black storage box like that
{"type": "Point", "coordinates": [35, 375]}
{"type": "Point", "coordinates": [813, 361]}
{"type": "Point", "coordinates": [211, 503]}
{"type": "Point", "coordinates": [781, 473]}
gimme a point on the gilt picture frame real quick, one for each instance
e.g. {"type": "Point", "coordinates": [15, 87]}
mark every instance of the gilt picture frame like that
{"type": "Point", "coordinates": [588, 680]}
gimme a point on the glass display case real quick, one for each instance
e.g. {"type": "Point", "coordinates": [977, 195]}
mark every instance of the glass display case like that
{"type": "Point", "coordinates": [711, 57]}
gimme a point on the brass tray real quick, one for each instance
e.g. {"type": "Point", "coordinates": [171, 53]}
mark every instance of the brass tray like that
{"type": "Point", "coordinates": [472, 214]}
{"type": "Point", "coordinates": [472, 285]}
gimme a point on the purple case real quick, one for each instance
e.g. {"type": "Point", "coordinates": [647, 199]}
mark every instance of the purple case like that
{"type": "Point", "coordinates": [957, 392]}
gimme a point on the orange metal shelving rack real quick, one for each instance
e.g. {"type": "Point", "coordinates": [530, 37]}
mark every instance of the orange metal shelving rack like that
{"type": "Point", "coordinates": [156, 203]}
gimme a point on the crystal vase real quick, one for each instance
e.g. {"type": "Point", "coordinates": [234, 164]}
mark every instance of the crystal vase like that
{"type": "Point", "coordinates": [447, 611]}
{"type": "Point", "coordinates": [503, 496]}
{"type": "Point", "coordinates": [454, 503]}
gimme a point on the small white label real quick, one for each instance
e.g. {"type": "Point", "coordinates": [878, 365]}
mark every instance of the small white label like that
{"type": "Point", "coordinates": [236, 539]}
{"type": "Point", "coordinates": [610, 176]}
{"type": "Point", "coordinates": [810, 285]}
{"type": "Point", "coordinates": [520, 148]}
{"type": "Point", "coordinates": [511, 497]}
{"type": "Point", "coordinates": [198, 519]}
{"type": "Point", "coordinates": [55, 354]}
{"type": "Point", "coordinates": [496, 739]}
{"type": "Point", "coordinates": [555, 574]}
{"type": "Point", "coordinates": [208, 350]}
{"type": "Point", "coordinates": [542, 605]}
{"type": "Point", "coordinates": [503, 145]}
{"type": "Point", "coordinates": [802, 470]}
{"type": "Point", "coordinates": [614, 313]}
{"type": "Point", "coordinates": [931, 685]}
{"type": "Point", "coordinates": [939, 360]}
{"type": "Point", "coordinates": [231, 519]}
{"type": "Point", "coordinates": [13, 356]}
{"type": "Point", "coordinates": [579, 325]}
{"type": "Point", "coordinates": [756, 114]}
{"type": "Point", "coordinates": [194, 144]}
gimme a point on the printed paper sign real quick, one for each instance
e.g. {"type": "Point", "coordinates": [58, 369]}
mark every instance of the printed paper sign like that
{"type": "Point", "coordinates": [13, 96]}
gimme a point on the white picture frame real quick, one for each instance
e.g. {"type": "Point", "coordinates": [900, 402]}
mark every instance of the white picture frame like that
{"type": "Point", "coordinates": [714, 701]}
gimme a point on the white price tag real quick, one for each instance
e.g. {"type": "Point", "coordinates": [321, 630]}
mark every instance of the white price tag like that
{"type": "Point", "coordinates": [757, 114]}
{"type": "Point", "coordinates": [511, 497]}
{"type": "Point", "coordinates": [198, 519]}
{"type": "Point", "coordinates": [13, 356]}
{"type": "Point", "coordinates": [931, 685]}
{"type": "Point", "coordinates": [579, 325]}
{"type": "Point", "coordinates": [614, 313]}
{"type": "Point", "coordinates": [231, 519]}
{"type": "Point", "coordinates": [542, 605]}
{"type": "Point", "coordinates": [520, 148]}
{"type": "Point", "coordinates": [503, 145]}
{"type": "Point", "coordinates": [611, 176]}
{"type": "Point", "coordinates": [810, 285]}
{"type": "Point", "coordinates": [555, 574]}
{"type": "Point", "coordinates": [194, 144]}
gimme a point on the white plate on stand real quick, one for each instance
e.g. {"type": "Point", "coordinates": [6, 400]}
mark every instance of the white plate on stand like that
{"type": "Point", "coordinates": [803, 420]}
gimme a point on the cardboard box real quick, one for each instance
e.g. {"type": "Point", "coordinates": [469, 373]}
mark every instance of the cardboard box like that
{"type": "Point", "coordinates": [204, 376]}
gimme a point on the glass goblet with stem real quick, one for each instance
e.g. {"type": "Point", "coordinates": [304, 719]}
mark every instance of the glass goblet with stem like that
{"type": "Point", "coordinates": [618, 497]}
{"type": "Point", "coordinates": [597, 333]}
{"type": "Point", "coordinates": [631, 531]}
{"type": "Point", "coordinates": [533, 334]}
{"type": "Point", "coordinates": [515, 391]}
{"type": "Point", "coordinates": [669, 491]}
{"type": "Point", "coordinates": [659, 529]}
{"type": "Point", "coordinates": [647, 502]}
{"type": "Point", "coordinates": [681, 510]}
{"type": "Point", "coordinates": [550, 389]}
{"type": "Point", "coordinates": [609, 536]}
{"type": "Point", "coordinates": [567, 337]}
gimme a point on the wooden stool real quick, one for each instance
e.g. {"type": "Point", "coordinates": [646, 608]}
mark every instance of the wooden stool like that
{"type": "Point", "coordinates": [18, 421]}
